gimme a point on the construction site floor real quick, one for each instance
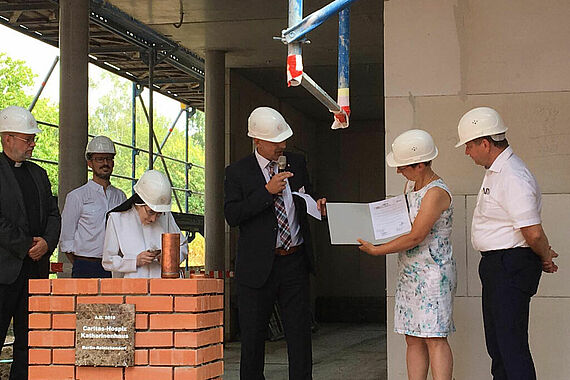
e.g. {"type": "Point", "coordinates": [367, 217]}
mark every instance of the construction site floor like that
{"type": "Point", "coordinates": [340, 351]}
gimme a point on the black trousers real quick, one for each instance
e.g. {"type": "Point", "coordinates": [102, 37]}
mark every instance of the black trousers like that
{"type": "Point", "coordinates": [510, 278]}
{"type": "Point", "coordinates": [288, 283]}
{"type": "Point", "coordinates": [88, 269]}
{"type": "Point", "coordinates": [14, 304]}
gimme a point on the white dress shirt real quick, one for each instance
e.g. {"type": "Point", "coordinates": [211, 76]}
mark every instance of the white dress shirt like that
{"type": "Point", "coordinates": [294, 227]}
{"type": "Point", "coordinates": [126, 237]}
{"type": "Point", "coordinates": [508, 200]}
{"type": "Point", "coordinates": [83, 218]}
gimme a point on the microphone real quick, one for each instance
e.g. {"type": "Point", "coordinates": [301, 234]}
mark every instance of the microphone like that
{"type": "Point", "coordinates": [282, 163]}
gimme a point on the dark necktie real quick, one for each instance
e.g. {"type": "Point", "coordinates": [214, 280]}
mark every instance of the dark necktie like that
{"type": "Point", "coordinates": [281, 213]}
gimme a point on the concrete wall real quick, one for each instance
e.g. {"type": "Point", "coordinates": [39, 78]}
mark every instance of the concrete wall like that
{"type": "Point", "coordinates": [444, 57]}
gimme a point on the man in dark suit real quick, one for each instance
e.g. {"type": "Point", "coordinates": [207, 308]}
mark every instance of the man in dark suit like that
{"type": "Point", "coordinates": [29, 227]}
{"type": "Point", "coordinates": [274, 256]}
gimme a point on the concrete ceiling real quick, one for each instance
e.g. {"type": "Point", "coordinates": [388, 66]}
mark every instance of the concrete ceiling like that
{"type": "Point", "coordinates": [245, 30]}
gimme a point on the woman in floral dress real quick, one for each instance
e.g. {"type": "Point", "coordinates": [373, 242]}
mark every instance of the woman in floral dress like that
{"type": "Point", "coordinates": [426, 268]}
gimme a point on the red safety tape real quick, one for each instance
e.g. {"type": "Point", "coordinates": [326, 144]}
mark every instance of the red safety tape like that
{"type": "Point", "coordinates": [294, 70]}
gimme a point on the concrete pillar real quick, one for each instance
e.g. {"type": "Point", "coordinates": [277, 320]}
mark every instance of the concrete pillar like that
{"type": "Point", "coordinates": [73, 113]}
{"type": "Point", "coordinates": [215, 159]}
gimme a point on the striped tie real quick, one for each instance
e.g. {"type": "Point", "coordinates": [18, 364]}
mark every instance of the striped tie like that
{"type": "Point", "coordinates": [281, 214]}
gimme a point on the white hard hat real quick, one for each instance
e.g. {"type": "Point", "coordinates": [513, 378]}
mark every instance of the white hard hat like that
{"type": "Point", "coordinates": [480, 122]}
{"type": "Point", "coordinates": [267, 124]}
{"type": "Point", "coordinates": [99, 144]}
{"type": "Point", "coordinates": [154, 189]}
{"type": "Point", "coordinates": [18, 119]}
{"type": "Point", "coordinates": [411, 147]}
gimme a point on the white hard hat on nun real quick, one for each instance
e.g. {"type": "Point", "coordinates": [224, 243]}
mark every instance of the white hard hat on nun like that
{"type": "Point", "coordinates": [154, 189]}
{"type": "Point", "coordinates": [18, 119]}
{"type": "Point", "coordinates": [99, 144]}
{"type": "Point", "coordinates": [481, 122]}
{"type": "Point", "coordinates": [267, 124]}
{"type": "Point", "coordinates": [412, 147]}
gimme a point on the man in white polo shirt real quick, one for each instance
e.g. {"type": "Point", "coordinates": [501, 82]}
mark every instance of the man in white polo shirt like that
{"type": "Point", "coordinates": [83, 217]}
{"type": "Point", "coordinates": [507, 230]}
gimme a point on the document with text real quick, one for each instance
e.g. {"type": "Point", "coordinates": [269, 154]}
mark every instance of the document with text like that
{"type": "Point", "coordinates": [377, 222]}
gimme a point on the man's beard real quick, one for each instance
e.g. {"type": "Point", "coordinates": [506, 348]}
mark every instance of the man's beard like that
{"type": "Point", "coordinates": [105, 176]}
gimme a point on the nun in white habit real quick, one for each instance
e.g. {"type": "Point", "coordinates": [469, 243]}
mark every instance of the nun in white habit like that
{"type": "Point", "coordinates": [133, 237]}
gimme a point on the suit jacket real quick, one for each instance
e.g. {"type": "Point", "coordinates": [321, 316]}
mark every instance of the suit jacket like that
{"type": "Point", "coordinates": [248, 205]}
{"type": "Point", "coordinates": [15, 238]}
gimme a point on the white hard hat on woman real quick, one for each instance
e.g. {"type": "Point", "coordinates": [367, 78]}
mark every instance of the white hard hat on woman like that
{"type": "Point", "coordinates": [18, 119]}
{"type": "Point", "coordinates": [267, 124]}
{"type": "Point", "coordinates": [154, 189]}
{"type": "Point", "coordinates": [481, 122]}
{"type": "Point", "coordinates": [412, 147]}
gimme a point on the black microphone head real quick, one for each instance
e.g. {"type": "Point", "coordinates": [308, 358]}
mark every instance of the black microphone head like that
{"type": "Point", "coordinates": [282, 163]}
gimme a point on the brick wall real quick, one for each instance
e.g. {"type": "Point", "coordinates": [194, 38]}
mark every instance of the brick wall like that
{"type": "Point", "coordinates": [178, 327]}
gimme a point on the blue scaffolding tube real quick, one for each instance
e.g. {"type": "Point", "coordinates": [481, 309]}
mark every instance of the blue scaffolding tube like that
{"type": "Point", "coordinates": [294, 36]}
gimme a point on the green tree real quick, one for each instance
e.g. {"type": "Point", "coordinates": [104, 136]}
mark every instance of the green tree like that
{"type": "Point", "coordinates": [15, 79]}
{"type": "Point", "coordinates": [112, 117]}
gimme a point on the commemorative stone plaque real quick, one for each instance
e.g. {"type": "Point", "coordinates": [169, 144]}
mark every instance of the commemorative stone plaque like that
{"type": "Point", "coordinates": [105, 335]}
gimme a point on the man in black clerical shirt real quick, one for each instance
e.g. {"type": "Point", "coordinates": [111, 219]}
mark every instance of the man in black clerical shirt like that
{"type": "Point", "coordinates": [29, 227]}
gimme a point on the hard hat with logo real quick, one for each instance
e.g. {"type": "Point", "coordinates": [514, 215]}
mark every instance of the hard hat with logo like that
{"type": "Point", "coordinates": [99, 144]}
{"type": "Point", "coordinates": [412, 147]}
{"type": "Point", "coordinates": [154, 189]}
{"type": "Point", "coordinates": [480, 122]}
{"type": "Point", "coordinates": [18, 119]}
{"type": "Point", "coordinates": [267, 124]}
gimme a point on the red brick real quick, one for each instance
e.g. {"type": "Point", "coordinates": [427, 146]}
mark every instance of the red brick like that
{"type": "Point", "coordinates": [39, 356]}
{"type": "Point", "coordinates": [63, 356]}
{"type": "Point", "coordinates": [141, 357]}
{"type": "Point", "coordinates": [124, 286]}
{"type": "Point", "coordinates": [49, 303]}
{"type": "Point", "coordinates": [42, 286]}
{"type": "Point", "coordinates": [39, 321]}
{"type": "Point", "coordinates": [186, 286]}
{"type": "Point", "coordinates": [153, 339]}
{"type": "Point", "coordinates": [148, 373]}
{"type": "Point", "coordinates": [185, 321]}
{"type": "Point", "coordinates": [40, 372]}
{"type": "Point", "coordinates": [185, 356]}
{"type": "Point", "coordinates": [198, 338]}
{"type": "Point", "coordinates": [210, 353]}
{"type": "Point", "coordinates": [197, 304]}
{"type": "Point", "coordinates": [67, 286]}
{"type": "Point", "coordinates": [100, 299]}
{"type": "Point", "coordinates": [141, 321]}
{"type": "Point", "coordinates": [151, 303]}
{"type": "Point", "coordinates": [51, 338]}
{"type": "Point", "coordinates": [99, 373]}
{"type": "Point", "coordinates": [208, 371]}
{"type": "Point", "coordinates": [63, 321]}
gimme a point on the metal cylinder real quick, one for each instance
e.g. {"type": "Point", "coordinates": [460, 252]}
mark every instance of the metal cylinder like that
{"type": "Point", "coordinates": [170, 255]}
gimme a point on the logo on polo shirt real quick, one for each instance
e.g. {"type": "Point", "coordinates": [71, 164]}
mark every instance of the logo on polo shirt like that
{"type": "Point", "coordinates": [486, 190]}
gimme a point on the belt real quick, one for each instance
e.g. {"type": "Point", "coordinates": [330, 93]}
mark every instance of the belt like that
{"type": "Point", "coordinates": [285, 252]}
{"type": "Point", "coordinates": [506, 250]}
{"type": "Point", "coordinates": [85, 258]}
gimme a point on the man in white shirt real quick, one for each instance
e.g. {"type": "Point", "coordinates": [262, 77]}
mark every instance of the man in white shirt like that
{"type": "Point", "coordinates": [83, 217]}
{"type": "Point", "coordinates": [507, 230]}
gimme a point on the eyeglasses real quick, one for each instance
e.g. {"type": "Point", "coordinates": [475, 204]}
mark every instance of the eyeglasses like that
{"type": "Point", "coordinates": [29, 140]}
{"type": "Point", "coordinates": [150, 212]}
{"type": "Point", "coordinates": [101, 160]}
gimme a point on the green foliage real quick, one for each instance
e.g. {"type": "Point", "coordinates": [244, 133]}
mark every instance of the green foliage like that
{"type": "Point", "coordinates": [112, 118]}
{"type": "Point", "coordinates": [15, 78]}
